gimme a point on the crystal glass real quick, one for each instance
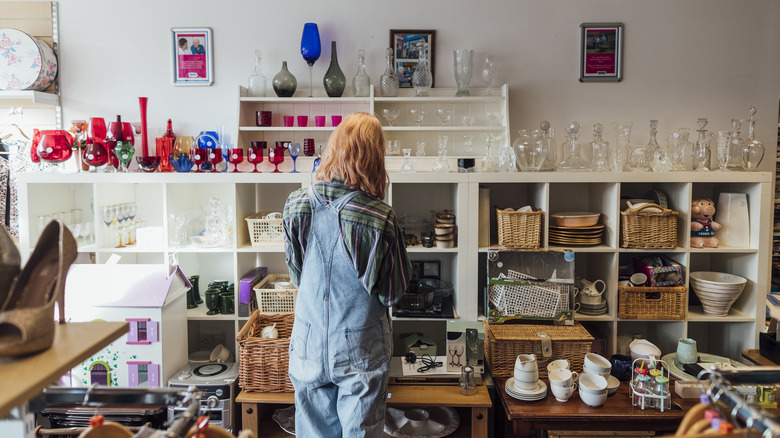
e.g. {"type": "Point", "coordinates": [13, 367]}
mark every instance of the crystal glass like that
{"type": "Point", "coordinates": [295, 150]}
{"type": "Point", "coordinates": [235, 157]}
{"type": "Point", "coordinates": [467, 120]}
{"type": "Point", "coordinates": [753, 151]}
{"type": "Point", "coordinates": [257, 81]}
{"type": "Point", "coordinates": [276, 157]}
{"type": "Point", "coordinates": [420, 148]}
{"type": "Point", "coordinates": [662, 161]}
{"type": "Point", "coordinates": [618, 156]}
{"type": "Point", "coordinates": [124, 152]}
{"type": "Point", "coordinates": [361, 82]}
{"type": "Point", "coordinates": [488, 163]}
{"type": "Point", "coordinates": [407, 166]}
{"type": "Point", "coordinates": [149, 163]}
{"type": "Point", "coordinates": [653, 150]}
{"type": "Point", "coordinates": [599, 149]}
{"type": "Point", "coordinates": [95, 155]}
{"type": "Point", "coordinates": [736, 146]}
{"type": "Point", "coordinates": [417, 116]}
{"type": "Point", "coordinates": [198, 157]}
{"type": "Point", "coordinates": [678, 155]}
{"type": "Point", "coordinates": [702, 152]}
{"type": "Point", "coordinates": [724, 148]}
{"type": "Point", "coordinates": [441, 164]}
{"type": "Point", "coordinates": [468, 144]}
{"type": "Point", "coordinates": [422, 79]}
{"type": "Point", "coordinates": [507, 159]}
{"type": "Point", "coordinates": [530, 150]}
{"type": "Point", "coordinates": [445, 116]}
{"type": "Point", "coordinates": [548, 137]}
{"type": "Point", "coordinates": [388, 82]}
{"type": "Point", "coordinates": [255, 157]}
{"type": "Point", "coordinates": [214, 158]}
{"type": "Point", "coordinates": [575, 158]}
{"type": "Point", "coordinates": [311, 48]}
{"type": "Point", "coordinates": [492, 118]}
{"type": "Point", "coordinates": [464, 66]}
{"type": "Point", "coordinates": [390, 114]}
{"type": "Point", "coordinates": [488, 74]}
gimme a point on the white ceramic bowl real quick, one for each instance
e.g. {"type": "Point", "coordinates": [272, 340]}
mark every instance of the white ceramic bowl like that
{"type": "Point", "coordinates": [717, 291]}
{"type": "Point", "coordinates": [443, 229]}
{"type": "Point", "coordinates": [597, 363]}
{"type": "Point", "coordinates": [591, 370]}
{"type": "Point", "coordinates": [562, 393]}
{"type": "Point", "coordinates": [592, 383]}
{"type": "Point", "coordinates": [445, 243]}
{"type": "Point", "coordinates": [593, 400]}
{"type": "Point", "coordinates": [644, 349]}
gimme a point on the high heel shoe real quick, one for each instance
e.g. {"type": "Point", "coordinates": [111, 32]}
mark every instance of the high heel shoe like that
{"type": "Point", "coordinates": [27, 316]}
{"type": "Point", "coordinates": [10, 263]}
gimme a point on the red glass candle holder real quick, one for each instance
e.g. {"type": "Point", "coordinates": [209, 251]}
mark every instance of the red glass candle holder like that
{"type": "Point", "coordinates": [214, 158]}
{"type": "Point", "coordinates": [255, 156]}
{"type": "Point", "coordinates": [308, 147]}
{"type": "Point", "coordinates": [276, 157]}
{"type": "Point", "coordinates": [263, 118]}
{"type": "Point", "coordinates": [235, 157]}
{"type": "Point", "coordinates": [149, 163]}
{"type": "Point", "coordinates": [303, 121]}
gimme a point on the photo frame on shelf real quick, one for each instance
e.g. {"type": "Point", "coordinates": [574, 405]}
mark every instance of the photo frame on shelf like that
{"type": "Point", "coordinates": [192, 56]}
{"type": "Point", "coordinates": [601, 52]}
{"type": "Point", "coordinates": [425, 269]}
{"type": "Point", "coordinates": [406, 53]}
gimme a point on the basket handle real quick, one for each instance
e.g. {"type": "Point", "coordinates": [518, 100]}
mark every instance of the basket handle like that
{"type": "Point", "coordinates": [637, 210]}
{"type": "Point", "coordinates": [245, 328]}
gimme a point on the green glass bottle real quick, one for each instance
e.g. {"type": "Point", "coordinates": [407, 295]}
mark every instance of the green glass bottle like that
{"type": "Point", "coordinates": [334, 79]}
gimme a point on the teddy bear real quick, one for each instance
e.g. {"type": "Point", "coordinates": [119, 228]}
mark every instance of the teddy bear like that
{"type": "Point", "coordinates": [702, 226]}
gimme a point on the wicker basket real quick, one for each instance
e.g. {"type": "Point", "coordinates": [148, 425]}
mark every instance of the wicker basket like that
{"type": "Point", "coordinates": [519, 229]}
{"type": "Point", "coordinates": [641, 229]}
{"type": "Point", "coordinates": [652, 302]}
{"type": "Point", "coordinates": [265, 232]}
{"type": "Point", "coordinates": [503, 342]}
{"type": "Point", "coordinates": [272, 300]}
{"type": "Point", "coordinates": [263, 362]}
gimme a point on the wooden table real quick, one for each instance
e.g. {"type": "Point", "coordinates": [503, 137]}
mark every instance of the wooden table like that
{"type": "Point", "coordinates": [255, 407]}
{"type": "Point", "coordinates": [754, 355]}
{"type": "Point", "coordinates": [617, 414]}
{"type": "Point", "coordinates": [74, 342]}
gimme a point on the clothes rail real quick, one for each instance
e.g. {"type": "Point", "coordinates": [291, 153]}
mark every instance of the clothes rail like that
{"type": "Point", "coordinates": [721, 392]}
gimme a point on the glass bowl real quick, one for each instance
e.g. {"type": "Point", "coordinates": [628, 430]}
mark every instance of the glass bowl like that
{"type": "Point", "coordinates": [148, 163]}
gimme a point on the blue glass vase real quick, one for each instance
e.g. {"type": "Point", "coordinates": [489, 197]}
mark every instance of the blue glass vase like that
{"type": "Point", "coordinates": [311, 48]}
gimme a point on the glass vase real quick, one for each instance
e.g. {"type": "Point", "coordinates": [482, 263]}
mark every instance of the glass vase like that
{"type": "Point", "coordinates": [334, 80]}
{"type": "Point", "coordinates": [702, 152]}
{"type": "Point", "coordinates": [736, 146]}
{"type": "Point", "coordinates": [422, 79]}
{"type": "Point", "coordinates": [464, 66]}
{"type": "Point", "coordinates": [599, 149]}
{"type": "Point", "coordinates": [284, 82]}
{"type": "Point", "coordinates": [389, 82]}
{"type": "Point", "coordinates": [257, 82]}
{"type": "Point", "coordinates": [361, 83]}
{"type": "Point", "coordinates": [529, 150]}
{"type": "Point", "coordinates": [753, 151]}
{"type": "Point", "coordinates": [407, 166]}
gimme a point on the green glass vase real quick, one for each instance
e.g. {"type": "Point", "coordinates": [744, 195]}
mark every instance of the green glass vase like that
{"type": "Point", "coordinates": [284, 82]}
{"type": "Point", "coordinates": [334, 79]}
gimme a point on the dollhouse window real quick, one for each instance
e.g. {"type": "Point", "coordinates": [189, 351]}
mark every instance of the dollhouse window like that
{"type": "Point", "coordinates": [143, 374]}
{"type": "Point", "coordinates": [142, 331]}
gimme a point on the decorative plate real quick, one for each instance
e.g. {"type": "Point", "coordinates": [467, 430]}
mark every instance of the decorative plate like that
{"type": "Point", "coordinates": [285, 418]}
{"type": "Point", "coordinates": [704, 360]}
{"type": "Point", "coordinates": [439, 421]}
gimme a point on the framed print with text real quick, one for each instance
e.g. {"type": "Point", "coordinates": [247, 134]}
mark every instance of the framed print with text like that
{"type": "Point", "coordinates": [601, 52]}
{"type": "Point", "coordinates": [406, 52]}
{"type": "Point", "coordinates": [193, 56]}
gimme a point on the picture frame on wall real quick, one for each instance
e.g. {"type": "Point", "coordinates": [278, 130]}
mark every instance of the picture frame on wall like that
{"type": "Point", "coordinates": [406, 52]}
{"type": "Point", "coordinates": [601, 52]}
{"type": "Point", "coordinates": [193, 56]}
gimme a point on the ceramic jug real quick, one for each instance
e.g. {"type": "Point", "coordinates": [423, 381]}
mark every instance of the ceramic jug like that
{"type": "Point", "coordinates": [591, 291]}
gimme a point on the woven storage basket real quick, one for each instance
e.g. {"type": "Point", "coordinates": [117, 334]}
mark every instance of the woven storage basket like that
{"type": "Point", "coordinates": [265, 232]}
{"type": "Point", "coordinates": [272, 300]}
{"type": "Point", "coordinates": [263, 362]}
{"type": "Point", "coordinates": [641, 229]}
{"type": "Point", "coordinates": [519, 229]}
{"type": "Point", "coordinates": [651, 302]}
{"type": "Point", "coordinates": [503, 342]}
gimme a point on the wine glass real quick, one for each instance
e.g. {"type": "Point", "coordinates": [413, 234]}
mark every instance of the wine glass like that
{"type": "Point", "coordinates": [390, 114]}
{"type": "Point", "coordinates": [198, 157]}
{"type": "Point", "coordinates": [54, 146]}
{"type": "Point", "coordinates": [276, 157]}
{"type": "Point", "coordinates": [236, 157]}
{"type": "Point", "coordinates": [107, 214]}
{"type": "Point", "coordinates": [132, 210]}
{"type": "Point", "coordinates": [417, 116]}
{"type": "Point", "coordinates": [96, 131]}
{"type": "Point", "coordinates": [310, 49]}
{"type": "Point", "coordinates": [488, 74]}
{"type": "Point", "coordinates": [255, 157]}
{"type": "Point", "coordinates": [214, 158]}
{"type": "Point", "coordinates": [295, 150]}
{"type": "Point", "coordinates": [444, 116]}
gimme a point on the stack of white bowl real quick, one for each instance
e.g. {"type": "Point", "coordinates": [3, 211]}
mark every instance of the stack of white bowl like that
{"type": "Point", "coordinates": [445, 230]}
{"type": "Point", "coordinates": [594, 380]}
{"type": "Point", "coordinates": [562, 379]}
{"type": "Point", "coordinates": [717, 290]}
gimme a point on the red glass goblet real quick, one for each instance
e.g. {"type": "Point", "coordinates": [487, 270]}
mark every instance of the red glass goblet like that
{"type": "Point", "coordinates": [95, 155]}
{"type": "Point", "coordinates": [255, 157]}
{"type": "Point", "coordinates": [198, 156]}
{"type": "Point", "coordinates": [236, 157]}
{"type": "Point", "coordinates": [276, 157]}
{"type": "Point", "coordinates": [54, 146]}
{"type": "Point", "coordinates": [96, 132]}
{"type": "Point", "coordinates": [215, 157]}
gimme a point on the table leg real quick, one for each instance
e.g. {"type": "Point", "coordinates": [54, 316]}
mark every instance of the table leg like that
{"type": "Point", "coordinates": [479, 422]}
{"type": "Point", "coordinates": [250, 417]}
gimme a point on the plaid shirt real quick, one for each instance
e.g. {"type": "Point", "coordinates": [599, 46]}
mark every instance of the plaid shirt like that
{"type": "Point", "coordinates": [371, 233]}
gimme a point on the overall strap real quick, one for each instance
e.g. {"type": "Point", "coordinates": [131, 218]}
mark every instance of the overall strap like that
{"type": "Point", "coordinates": [316, 200]}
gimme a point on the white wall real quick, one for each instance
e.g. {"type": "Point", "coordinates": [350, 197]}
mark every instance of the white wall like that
{"type": "Point", "coordinates": [683, 59]}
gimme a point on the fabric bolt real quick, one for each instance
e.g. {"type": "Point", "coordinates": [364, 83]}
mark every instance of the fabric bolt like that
{"type": "Point", "coordinates": [341, 344]}
{"type": "Point", "coordinates": [372, 235]}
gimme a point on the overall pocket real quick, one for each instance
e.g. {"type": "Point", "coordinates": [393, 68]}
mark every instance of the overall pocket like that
{"type": "Point", "coordinates": [367, 346]}
{"type": "Point", "coordinates": [299, 338]}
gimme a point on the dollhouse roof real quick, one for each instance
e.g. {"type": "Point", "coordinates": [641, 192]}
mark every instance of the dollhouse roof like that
{"type": "Point", "coordinates": [124, 285]}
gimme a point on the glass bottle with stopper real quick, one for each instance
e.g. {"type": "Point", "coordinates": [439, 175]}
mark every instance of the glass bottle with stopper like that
{"type": "Point", "coordinates": [551, 156]}
{"type": "Point", "coordinates": [257, 82]}
{"type": "Point", "coordinates": [599, 149]}
{"type": "Point", "coordinates": [736, 146]}
{"type": "Point", "coordinates": [702, 152]}
{"type": "Point", "coordinates": [389, 82]}
{"type": "Point", "coordinates": [575, 158]}
{"type": "Point", "coordinates": [361, 83]}
{"type": "Point", "coordinates": [753, 151]}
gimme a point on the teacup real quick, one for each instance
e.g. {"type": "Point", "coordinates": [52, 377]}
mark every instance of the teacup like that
{"type": "Point", "coordinates": [597, 363]}
{"type": "Point", "coordinates": [561, 377]}
{"type": "Point", "coordinates": [592, 383]}
{"type": "Point", "coordinates": [562, 393]}
{"type": "Point", "coordinates": [593, 399]}
{"type": "Point", "coordinates": [557, 364]}
{"type": "Point", "coordinates": [526, 362]}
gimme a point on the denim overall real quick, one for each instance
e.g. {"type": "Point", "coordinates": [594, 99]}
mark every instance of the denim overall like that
{"type": "Point", "coordinates": [340, 345]}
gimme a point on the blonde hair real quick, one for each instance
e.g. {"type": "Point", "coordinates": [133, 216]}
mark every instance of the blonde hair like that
{"type": "Point", "coordinates": [356, 154]}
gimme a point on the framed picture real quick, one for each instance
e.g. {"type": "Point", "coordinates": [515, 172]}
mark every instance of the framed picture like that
{"type": "Point", "coordinates": [426, 269]}
{"type": "Point", "coordinates": [406, 52]}
{"type": "Point", "coordinates": [601, 52]}
{"type": "Point", "coordinates": [193, 56]}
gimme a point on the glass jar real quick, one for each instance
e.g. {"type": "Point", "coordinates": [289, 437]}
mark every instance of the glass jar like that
{"type": "Point", "coordinates": [660, 390]}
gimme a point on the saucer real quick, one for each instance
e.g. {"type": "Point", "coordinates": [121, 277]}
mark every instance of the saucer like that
{"type": "Point", "coordinates": [526, 395]}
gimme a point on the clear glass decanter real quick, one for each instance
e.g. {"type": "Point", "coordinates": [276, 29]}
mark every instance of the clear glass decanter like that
{"type": "Point", "coordinates": [489, 162]}
{"type": "Point", "coordinates": [652, 145]}
{"type": "Point", "coordinates": [736, 146]}
{"type": "Point", "coordinates": [619, 154]}
{"type": "Point", "coordinates": [361, 83]}
{"type": "Point", "coordinates": [753, 151]}
{"type": "Point", "coordinates": [422, 79]}
{"type": "Point", "coordinates": [388, 82]}
{"type": "Point", "coordinates": [575, 159]}
{"type": "Point", "coordinates": [551, 156]}
{"type": "Point", "coordinates": [702, 153]}
{"type": "Point", "coordinates": [599, 149]}
{"type": "Point", "coordinates": [257, 82]}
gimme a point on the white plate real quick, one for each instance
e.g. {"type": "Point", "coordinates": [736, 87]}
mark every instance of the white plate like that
{"type": "Point", "coordinates": [521, 394]}
{"type": "Point", "coordinates": [442, 421]}
{"type": "Point", "coordinates": [612, 384]}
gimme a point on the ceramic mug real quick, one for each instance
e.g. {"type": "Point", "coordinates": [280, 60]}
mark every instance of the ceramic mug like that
{"type": "Point", "coordinates": [686, 350]}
